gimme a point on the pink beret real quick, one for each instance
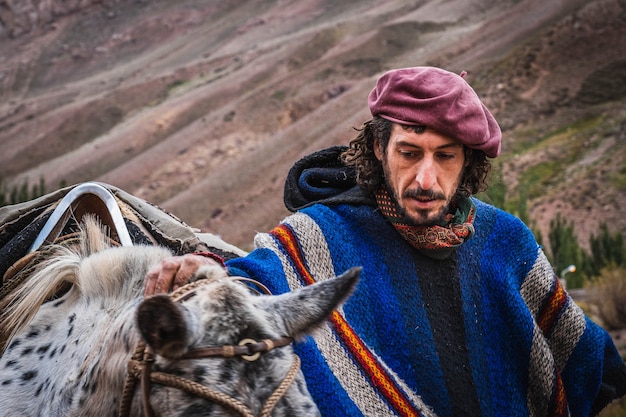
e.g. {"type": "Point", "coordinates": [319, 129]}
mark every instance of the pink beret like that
{"type": "Point", "coordinates": [440, 100]}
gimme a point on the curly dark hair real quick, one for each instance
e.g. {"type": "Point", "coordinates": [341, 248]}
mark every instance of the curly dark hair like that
{"type": "Point", "coordinates": [369, 170]}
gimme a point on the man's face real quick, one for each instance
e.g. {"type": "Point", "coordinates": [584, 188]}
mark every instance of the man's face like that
{"type": "Point", "coordinates": [422, 172]}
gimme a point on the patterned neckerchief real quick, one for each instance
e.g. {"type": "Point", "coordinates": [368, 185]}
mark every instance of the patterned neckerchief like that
{"type": "Point", "coordinates": [455, 230]}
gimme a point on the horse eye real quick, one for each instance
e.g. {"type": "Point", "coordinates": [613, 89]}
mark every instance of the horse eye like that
{"type": "Point", "coordinates": [60, 292]}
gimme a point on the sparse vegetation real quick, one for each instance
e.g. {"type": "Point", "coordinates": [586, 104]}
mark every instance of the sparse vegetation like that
{"type": "Point", "coordinates": [536, 179]}
{"type": "Point", "coordinates": [607, 251]}
{"type": "Point", "coordinates": [25, 192]}
{"type": "Point", "coordinates": [605, 84]}
{"type": "Point", "coordinates": [496, 193]}
{"type": "Point", "coordinates": [618, 179]}
{"type": "Point", "coordinates": [565, 251]}
{"type": "Point", "coordinates": [176, 85]}
{"type": "Point", "coordinates": [608, 292]}
{"type": "Point", "coordinates": [279, 95]}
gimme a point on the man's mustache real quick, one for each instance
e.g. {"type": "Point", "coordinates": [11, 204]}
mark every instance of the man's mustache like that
{"type": "Point", "coordinates": [420, 193]}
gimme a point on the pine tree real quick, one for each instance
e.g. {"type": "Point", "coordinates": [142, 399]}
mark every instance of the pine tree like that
{"type": "Point", "coordinates": [566, 251]}
{"type": "Point", "coordinates": [607, 250]}
{"type": "Point", "coordinates": [19, 194]}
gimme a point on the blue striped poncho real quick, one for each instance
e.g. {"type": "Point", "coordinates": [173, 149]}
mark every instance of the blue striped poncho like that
{"type": "Point", "coordinates": [488, 331]}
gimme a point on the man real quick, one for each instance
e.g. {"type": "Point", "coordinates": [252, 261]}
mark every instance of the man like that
{"type": "Point", "coordinates": [457, 307]}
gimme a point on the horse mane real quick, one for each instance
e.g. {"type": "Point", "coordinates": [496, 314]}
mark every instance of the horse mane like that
{"type": "Point", "coordinates": [54, 268]}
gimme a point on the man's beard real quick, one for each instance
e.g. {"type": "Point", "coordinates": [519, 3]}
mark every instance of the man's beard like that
{"type": "Point", "coordinates": [424, 217]}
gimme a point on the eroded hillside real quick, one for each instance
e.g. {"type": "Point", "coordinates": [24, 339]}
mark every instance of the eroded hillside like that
{"type": "Point", "coordinates": [201, 107]}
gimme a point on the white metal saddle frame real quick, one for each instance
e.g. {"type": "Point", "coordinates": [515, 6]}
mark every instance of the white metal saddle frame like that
{"type": "Point", "coordinates": [86, 198]}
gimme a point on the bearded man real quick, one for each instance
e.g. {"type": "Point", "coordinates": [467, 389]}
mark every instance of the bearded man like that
{"type": "Point", "coordinates": [458, 312]}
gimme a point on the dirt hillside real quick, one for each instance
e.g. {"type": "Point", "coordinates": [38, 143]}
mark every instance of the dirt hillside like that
{"type": "Point", "coordinates": [202, 106]}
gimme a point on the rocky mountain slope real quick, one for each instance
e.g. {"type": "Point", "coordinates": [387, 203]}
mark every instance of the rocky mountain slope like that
{"type": "Point", "coordinates": [202, 106]}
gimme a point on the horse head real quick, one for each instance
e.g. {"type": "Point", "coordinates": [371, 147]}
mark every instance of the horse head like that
{"type": "Point", "coordinates": [221, 334]}
{"type": "Point", "coordinates": [80, 333]}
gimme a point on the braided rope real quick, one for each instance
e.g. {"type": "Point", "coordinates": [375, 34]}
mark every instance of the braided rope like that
{"type": "Point", "coordinates": [134, 370]}
{"type": "Point", "coordinates": [187, 288]}
{"type": "Point", "coordinates": [281, 390]}
{"type": "Point", "coordinates": [199, 390]}
{"type": "Point", "coordinates": [181, 292]}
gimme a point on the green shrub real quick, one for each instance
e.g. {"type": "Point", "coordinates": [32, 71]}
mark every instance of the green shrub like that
{"type": "Point", "coordinates": [608, 292]}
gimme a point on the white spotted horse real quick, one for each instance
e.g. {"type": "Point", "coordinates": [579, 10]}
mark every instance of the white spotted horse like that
{"type": "Point", "coordinates": [81, 340]}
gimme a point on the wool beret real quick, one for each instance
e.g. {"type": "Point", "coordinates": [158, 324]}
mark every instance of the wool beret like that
{"type": "Point", "coordinates": [440, 100]}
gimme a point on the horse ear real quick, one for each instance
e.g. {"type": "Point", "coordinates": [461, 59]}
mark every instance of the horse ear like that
{"type": "Point", "coordinates": [305, 309]}
{"type": "Point", "coordinates": [164, 326]}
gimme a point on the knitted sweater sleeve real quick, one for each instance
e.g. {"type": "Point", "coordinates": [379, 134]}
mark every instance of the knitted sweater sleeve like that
{"type": "Point", "coordinates": [296, 253]}
{"type": "Point", "coordinates": [573, 361]}
{"type": "Point", "coordinates": [281, 258]}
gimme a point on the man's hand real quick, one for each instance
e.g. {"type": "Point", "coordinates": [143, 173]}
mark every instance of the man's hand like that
{"type": "Point", "coordinates": [174, 272]}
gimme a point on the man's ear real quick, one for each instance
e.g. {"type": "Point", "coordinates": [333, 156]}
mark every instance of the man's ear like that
{"type": "Point", "coordinates": [378, 151]}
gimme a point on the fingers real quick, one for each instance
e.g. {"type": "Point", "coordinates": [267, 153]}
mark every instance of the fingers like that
{"type": "Point", "coordinates": [188, 267]}
{"type": "Point", "coordinates": [172, 273]}
{"type": "Point", "coordinates": [160, 277]}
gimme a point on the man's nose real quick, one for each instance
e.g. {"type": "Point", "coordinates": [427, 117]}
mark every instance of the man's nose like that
{"type": "Point", "coordinates": [426, 175]}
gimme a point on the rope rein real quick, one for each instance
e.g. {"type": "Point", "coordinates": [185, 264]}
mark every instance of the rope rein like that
{"type": "Point", "coordinates": [139, 368]}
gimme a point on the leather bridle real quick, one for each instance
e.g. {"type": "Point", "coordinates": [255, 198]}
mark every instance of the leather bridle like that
{"type": "Point", "coordinates": [140, 368]}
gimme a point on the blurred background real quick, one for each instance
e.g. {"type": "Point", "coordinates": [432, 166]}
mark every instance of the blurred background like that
{"type": "Point", "coordinates": [201, 107]}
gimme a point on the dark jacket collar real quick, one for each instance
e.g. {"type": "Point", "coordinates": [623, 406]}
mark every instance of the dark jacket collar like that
{"type": "Point", "coordinates": [322, 178]}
